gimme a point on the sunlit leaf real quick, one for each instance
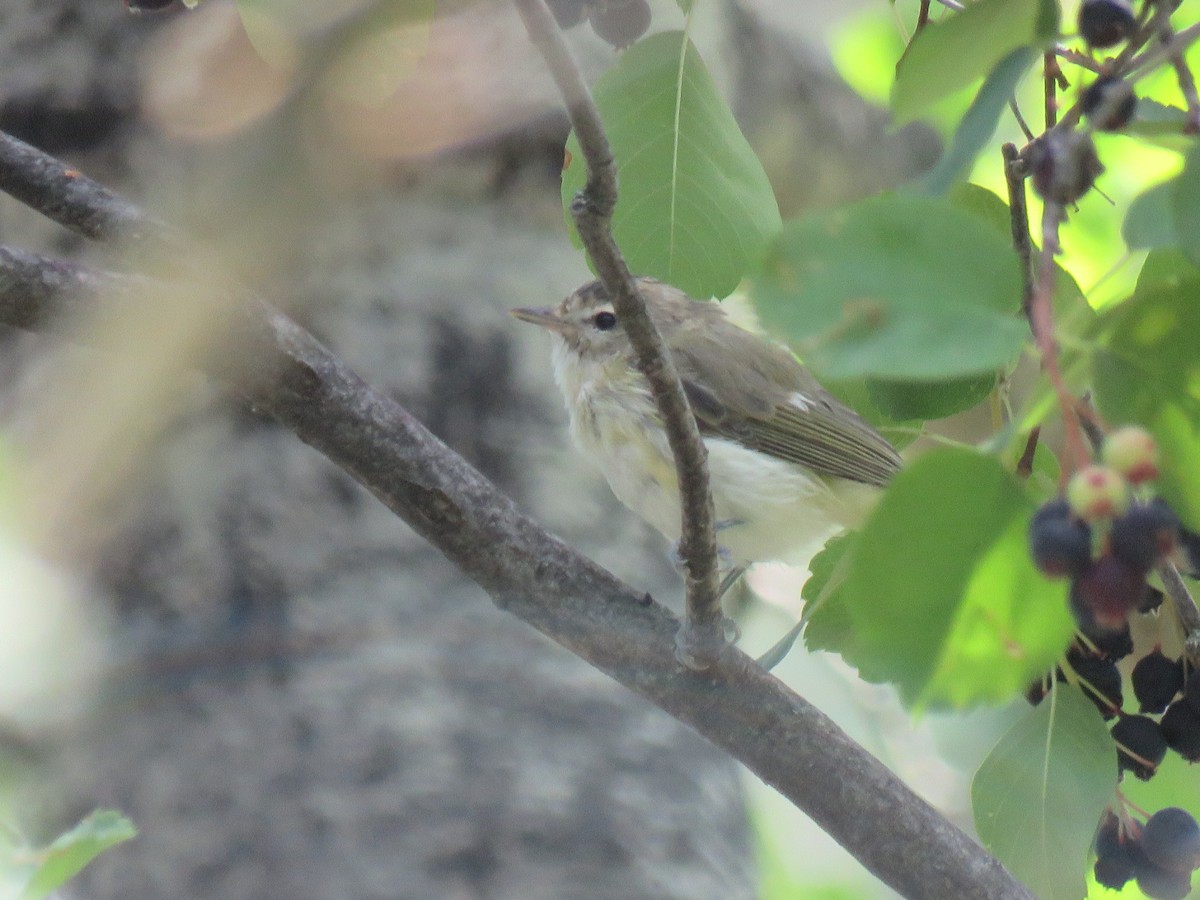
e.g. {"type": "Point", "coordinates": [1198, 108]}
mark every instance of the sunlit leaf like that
{"type": "Point", "coordinates": [952, 611]}
{"type": "Point", "coordinates": [950, 54]}
{"type": "Point", "coordinates": [1038, 796]}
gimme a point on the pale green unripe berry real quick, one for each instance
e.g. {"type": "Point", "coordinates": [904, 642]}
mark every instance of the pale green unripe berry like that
{"type": "Point", "coordinates": [1133, 452]}
{"type": "Point", "coordinates": [1098, 492]}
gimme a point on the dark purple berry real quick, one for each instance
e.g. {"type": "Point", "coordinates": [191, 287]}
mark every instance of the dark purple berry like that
{"type": "Point", "coordinates": [1103, 685]}
{"type": "Point", "coordinates": [1060, 543]}
{"type": "Point", "coordinates": [1141, 736]}
{"type": "Point", "coordinates": [1065, 166]}
{"type": "Point", "coordinates": [1171, 840]}
{"type": "Point", "coordinates": [1151, 600]}
{"type": "Point", "coordinates": [568, 13]}
{"type": "Point", "coordinates": [1161, 884]}
{"type": "Point", "coordinates": [1114, 863]}
{"type": "Point", "coordinates": [141, 6]}
{"type": "Point", "coordinates": [1112, 645]}
{"type": "Point", "coordinates": [1144, 534]}
{"type": "Point", "coordinates": [1191, 692]}
{"type": "Point", "coordinates": [1109, 104]}
{"type": "Point", "coordinates": [620, 22]}
{"type": "Point", "coordinates": [1156, 680]}
{"type": "Point", "coordinates": [1105, 23]}
{"type": "Point", "coordinates": [1105, 593]}
{"type": "Point", "coordinates": [1037, 691]}
{"type": "Point", "coordinates": [1180, 726]}
{"type": "Point", "coordinates": [1113, 871]}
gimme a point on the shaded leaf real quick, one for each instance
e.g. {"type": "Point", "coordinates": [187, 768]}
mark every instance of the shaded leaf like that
{"type": "Point", "coordinates": [979, 123]}
{"type": "Point", "coordinates": [695, 209]}
{"type": "Point", "coordinates": [1038, 796]}
{"type": "Point", "coordinates": [894, 287]}
{"type": "Point", "coordinates": [1149, 222]}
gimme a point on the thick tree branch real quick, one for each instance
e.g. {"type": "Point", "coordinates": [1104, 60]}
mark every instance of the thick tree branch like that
{"type": "Point", "coordinates": [756, 718]}
{"type": "Point", "coordinates": [592, 210]}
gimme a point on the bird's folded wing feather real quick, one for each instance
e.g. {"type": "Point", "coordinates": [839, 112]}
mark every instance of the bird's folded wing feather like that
{"type": "Point", "coordinates": [770, 403]}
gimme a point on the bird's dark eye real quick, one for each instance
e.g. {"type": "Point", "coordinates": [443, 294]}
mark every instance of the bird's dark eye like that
{"type": "Point", "coordinates": [605, 320]}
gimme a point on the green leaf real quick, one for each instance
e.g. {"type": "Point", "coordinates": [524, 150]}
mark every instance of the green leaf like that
{"type": "Point", "coordinates": [931, 400]}
{"type": "Point", "coordinates": [1148, 371]}
{"type": "Point", "coordinates": [1166, 268]}
{"type": "Point", "coordinates": [894, 287]}
{"type": "Point", "coordinates": [686, 5]}
{"type": "Point", "coordinates": [979, 123]}
{"type": "Point", "coordinates": [1038, 796]}
{"type": "Point", "coordinates": [1153, 118]}
{"type": "Point", "coordinates": [948, 55]}
{"type": "Point", "coordinates": [980, 202]}
{"type": "Point", "coordinates": [941, 596]}
{"type": "Point", "coordinates": [1185, 207]}
{"type": "Point", "coordinates": [829, 626]}
{"type": "Point", "coordinates": [695, 206]}
{"type": "Point", "coordinates": [1149, 223]}
{"type": "Point", "coordinates": [71, 851]}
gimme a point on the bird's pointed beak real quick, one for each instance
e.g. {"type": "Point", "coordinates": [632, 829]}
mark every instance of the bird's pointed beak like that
{"type": "Point", "coordinates": [539, 315]}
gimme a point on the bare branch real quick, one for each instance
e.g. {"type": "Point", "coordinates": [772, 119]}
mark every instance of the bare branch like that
{"type": "Point", "coordinates": [1185, 608]}
{"type": "Point", "coordinates": [592, 209]}
{"type": "Point", "coordinates": [530, 573]}
{"type": "Point", "coordinates": [1019, 225]}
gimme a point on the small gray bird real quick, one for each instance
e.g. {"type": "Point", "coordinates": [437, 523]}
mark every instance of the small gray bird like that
{"type": "Point", "coordinates": [789, 464]}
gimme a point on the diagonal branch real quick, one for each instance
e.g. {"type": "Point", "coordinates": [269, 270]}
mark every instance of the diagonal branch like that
{"type": "Point", "coordinates": [702, 640]}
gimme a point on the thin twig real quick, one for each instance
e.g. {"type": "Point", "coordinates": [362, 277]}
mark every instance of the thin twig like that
{"type": "Point", "coordinates": [1079, 59]}
{"type": "Point", "coordinates": [922, 17]}
{"type": "Point", "coordinates": [1018, 212]}
{"type": "Point", "coordinates": [530, 573]}
{"type": "Point", "coordinates": [1183, 74]}
{"type": "Point", "coordinates": [1042, 323]}
{"type": "Point", "coordinates": [1050, 76]}
{"type": "Point", "coordinates": [1024, 126]}
{"type": "Point", "coordinates": [592, 210]}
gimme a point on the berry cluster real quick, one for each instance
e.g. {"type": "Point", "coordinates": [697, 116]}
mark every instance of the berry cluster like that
{"type": "Point", "coordinates": [1161, 854]}
{"type": "Point", "coordinates": [1104, 537]}
{"type": "Point", "coordinates": [619, 22]}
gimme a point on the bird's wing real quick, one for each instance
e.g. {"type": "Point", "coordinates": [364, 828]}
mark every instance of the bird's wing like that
{"type": "Point", "coordinates": [769, 402]}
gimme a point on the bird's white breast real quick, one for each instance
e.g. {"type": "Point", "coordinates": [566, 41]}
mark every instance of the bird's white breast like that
{"type": "Point", "coordinates": [768, 509]}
